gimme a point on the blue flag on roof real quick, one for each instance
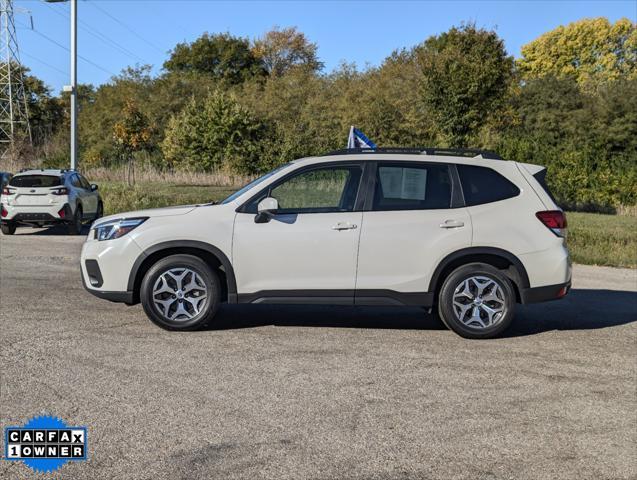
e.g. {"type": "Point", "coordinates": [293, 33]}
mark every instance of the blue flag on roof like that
{"type": "Point", "coordinates": [357, 139]}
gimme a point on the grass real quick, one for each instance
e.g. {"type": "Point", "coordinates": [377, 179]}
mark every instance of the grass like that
{"type": "Point", "coordinates": [593, 238]}
{"type": "Point", "coordinates": [119, 197]}
{"type": "Point", "coordinates": [597, 239]}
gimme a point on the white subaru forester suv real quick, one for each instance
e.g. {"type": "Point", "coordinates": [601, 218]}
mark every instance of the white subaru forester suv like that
{"type": "Point", "coordinates": [470, 236]}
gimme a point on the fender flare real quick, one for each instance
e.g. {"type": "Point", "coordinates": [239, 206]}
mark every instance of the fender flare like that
{"type": "Point", "coordinates": [471, 251]}
{"type": "Point", "coordinates": [223, 259]}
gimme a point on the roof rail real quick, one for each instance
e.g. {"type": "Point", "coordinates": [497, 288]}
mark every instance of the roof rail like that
{"type": "Point", "coordinates": [62, 170]}
{"type": "Point", "coordinates": [456, 152]}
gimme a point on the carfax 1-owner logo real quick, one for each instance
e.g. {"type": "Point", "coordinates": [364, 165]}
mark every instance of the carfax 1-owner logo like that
{"type": "Point", "coordinates": [45, 443]}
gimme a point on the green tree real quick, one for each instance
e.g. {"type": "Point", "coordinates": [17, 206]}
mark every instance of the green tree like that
{"type": "Point", "coordinates": [465, 76]}
{"type": "Point", "coordinates": [281, 50]}
{"type": "Point", "coordinates": [591, 50]}
{"type": "Point", "coordinates": [131, 135]}
{"type": "Point", "coordinates": [222, 56]}
{"type": "Point", "coordinates": [216, 134]}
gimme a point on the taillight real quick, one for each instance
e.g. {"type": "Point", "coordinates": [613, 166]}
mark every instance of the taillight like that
{"type": "Point", "coordinates": [555, 220]}
{"type": "Point", "coordinates": [3, 212]}
{"type": "Point", "coordinates": [6, 191]}
{"type": "Point", "coordinates": [62, 213]}
{"type": "Point", "coordinates": [60, 191]}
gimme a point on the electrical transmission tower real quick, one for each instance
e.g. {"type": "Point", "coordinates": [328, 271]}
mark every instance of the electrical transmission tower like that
{"type": "Point", "coordinates": [14, 114]}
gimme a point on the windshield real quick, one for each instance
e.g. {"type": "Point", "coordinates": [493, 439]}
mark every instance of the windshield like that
{"type": "Point", "coordinates": [30, 181]}
{"type": "Point", "coordinates": [254, 183]}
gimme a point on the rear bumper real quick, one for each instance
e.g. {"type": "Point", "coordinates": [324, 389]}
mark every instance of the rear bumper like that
{"type": "Point", "coordinates": [38, 216]}
{"type": "Point", "coordinates": [545, 293]}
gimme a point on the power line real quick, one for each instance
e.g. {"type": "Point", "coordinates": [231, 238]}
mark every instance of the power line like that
{"type": "Point", "coordinates": [45, 63]}
{"type": "Point", "coordinates": [99, 35]}
{"type": "Point", "coordinates": [90, 62]}
{"type": "Point", "coordinates": [115, 19]}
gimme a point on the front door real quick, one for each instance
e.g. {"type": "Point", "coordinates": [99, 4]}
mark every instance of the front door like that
{"type": "Point", "coordinates": [309, 247]}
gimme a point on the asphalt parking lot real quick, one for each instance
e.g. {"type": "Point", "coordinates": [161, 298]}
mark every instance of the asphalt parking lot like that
{"type": "Point", "coordinates": [318, 393]}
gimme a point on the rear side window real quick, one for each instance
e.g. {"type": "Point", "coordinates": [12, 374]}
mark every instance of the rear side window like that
{"type": "Point", "coordinates": [484, 185]}
{"type": "Point", "coordinates": [33, 181]}
{"type": "Point", "coordinates": [541, 179]}
{"type": "Point", "coordinates": [412, 187]}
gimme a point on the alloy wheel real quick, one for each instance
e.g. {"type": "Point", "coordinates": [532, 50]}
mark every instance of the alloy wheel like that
{"type": "Point", "coordinates": [179, 294]}
{"type": "Point", "coordinates": [479, 302]}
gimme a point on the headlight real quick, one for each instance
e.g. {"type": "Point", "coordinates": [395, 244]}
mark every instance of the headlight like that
{"type": "Point", "coordinates": [116, 228]}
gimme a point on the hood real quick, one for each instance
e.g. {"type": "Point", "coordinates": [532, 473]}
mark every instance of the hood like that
{"type": "Point", "coordinates": [151, 213]}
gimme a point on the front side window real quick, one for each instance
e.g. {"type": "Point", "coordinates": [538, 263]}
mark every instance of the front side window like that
{"type": "Point", "coordinates": [484, 185]}
{"type": "Point", "coordinates": [253, 184]}
{"type": "Point", "coordinates": [320, 190]}
{"type": "Point", "coordinates": [75, 181]}
{"type": "Point", "coordinates": [412, 187]}
{"type": "Point", "coordinates": [84, 182]}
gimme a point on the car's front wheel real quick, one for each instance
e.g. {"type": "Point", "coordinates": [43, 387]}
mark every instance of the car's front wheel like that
{"type": "Point", "coordinates": [8, 228]}
{"type": "Point", "coordinates": [477, 301]}
{"type": "Point", "coordinates": [180, 292]}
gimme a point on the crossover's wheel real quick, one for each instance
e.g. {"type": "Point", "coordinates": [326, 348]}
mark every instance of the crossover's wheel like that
{"type": "Point", "coordinates": [100, 211]}
{"type": "Point", "coordinates": [8, 228]}
{"type": "Point", "coordinates": [180, 292]}
{"type": "Point", "coordinates": [75, 226]}
{"type": "Point", "coordinates": [477, 301]}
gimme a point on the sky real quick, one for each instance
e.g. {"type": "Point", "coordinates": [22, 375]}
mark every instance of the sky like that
{"type": "Point", "coordinates": [114, 34]}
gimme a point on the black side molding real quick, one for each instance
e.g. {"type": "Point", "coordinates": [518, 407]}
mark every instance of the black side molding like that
{"type": "Point", "coordinates": [338, 297]}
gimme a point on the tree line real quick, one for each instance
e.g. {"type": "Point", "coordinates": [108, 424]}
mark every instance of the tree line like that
{"type": "Point", "coordinates": [227, 103]}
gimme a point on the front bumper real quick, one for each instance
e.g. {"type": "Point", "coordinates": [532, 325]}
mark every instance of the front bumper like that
{"type": "Point", "coordinates": [106, 267]}
{"type": "Point", "coordinates": [118, 297]}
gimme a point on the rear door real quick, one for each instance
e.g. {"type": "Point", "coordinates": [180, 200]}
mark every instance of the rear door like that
{"type": "Point", "coordinates": [33, 190]}
{"type": "Point", "coordinates": [411, 222]}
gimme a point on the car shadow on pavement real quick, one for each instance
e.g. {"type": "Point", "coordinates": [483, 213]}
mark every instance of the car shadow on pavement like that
{"type": "Point", "coordinates": [57, 230]}
{"type": "Point", "coordinates": [581, 309]}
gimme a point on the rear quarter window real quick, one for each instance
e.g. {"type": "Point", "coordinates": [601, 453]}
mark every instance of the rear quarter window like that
{"type": "Point", "coordinates": [482, 185]}
{"type": "Point", "coordinates": [34, 181]}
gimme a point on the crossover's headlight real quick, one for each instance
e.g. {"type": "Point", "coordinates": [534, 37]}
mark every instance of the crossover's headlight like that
{"type": "Point", "coordinates": [116, 228]}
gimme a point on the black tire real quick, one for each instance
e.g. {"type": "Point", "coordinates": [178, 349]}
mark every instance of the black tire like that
{"type": "Point", "coordinates": [75, 227]}
{"type": "Point", "coordinates": [486, 324]}
{"type": "Point", "coordinates": [8, 228]}
{"type": "Point", "coordinates": [195, 317]}
{"type": "Point", "coordinates": [100, 211]}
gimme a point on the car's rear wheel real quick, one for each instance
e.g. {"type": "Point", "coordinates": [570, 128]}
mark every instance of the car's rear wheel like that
{"type": "Point", "coordinates": [8, 228]}
{"type": "Point", "coordinates": [180, 292]}
{"type": "Point", "coordinates": [75, 227]}
{"type": "Point", "coordinates": [477, 301]}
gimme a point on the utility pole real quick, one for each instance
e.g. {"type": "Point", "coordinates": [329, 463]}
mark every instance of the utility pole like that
{"type": "Point", "coordinates": [72, 89]}
{"type": "Point", "coordinates": [14, 113]}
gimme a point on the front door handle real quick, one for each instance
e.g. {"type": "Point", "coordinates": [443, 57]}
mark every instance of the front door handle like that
{"type": "Point", "coordinates": [452, 224]}
{"type": "Point", "coordinates": [344, 226]}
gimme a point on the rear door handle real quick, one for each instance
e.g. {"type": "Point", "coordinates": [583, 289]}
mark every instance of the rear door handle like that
{"type": "Point", "coordinates": [452, 224]}
{"type": "Point", "coordinates": [344, 226]}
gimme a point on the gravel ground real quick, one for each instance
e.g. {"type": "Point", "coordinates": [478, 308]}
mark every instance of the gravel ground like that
{"type": "Point", "coordinates": [318, 393]}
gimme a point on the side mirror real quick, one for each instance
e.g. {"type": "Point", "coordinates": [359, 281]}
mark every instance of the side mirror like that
{"type": "Point", "coordinates": [266, 210]}
{"type": "Point", "coordinates": [93, 187]}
